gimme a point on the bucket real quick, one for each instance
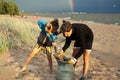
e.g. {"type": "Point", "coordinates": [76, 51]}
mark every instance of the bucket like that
{"type": "Point", "coordinates": [65, 71]}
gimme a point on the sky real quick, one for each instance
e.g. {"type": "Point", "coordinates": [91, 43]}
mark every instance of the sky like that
{"type": "Point", "coordinates": [93, 6]}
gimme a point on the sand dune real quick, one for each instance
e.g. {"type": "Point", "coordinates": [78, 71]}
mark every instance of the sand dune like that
{"type": "Point", "coordinates": [104, 61]}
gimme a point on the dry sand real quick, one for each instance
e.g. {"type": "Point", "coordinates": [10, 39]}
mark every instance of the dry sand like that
{"type": "Point", "coordinates": [104, 61]}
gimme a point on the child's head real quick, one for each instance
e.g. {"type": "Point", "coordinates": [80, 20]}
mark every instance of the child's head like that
{"type": "Point", "coordinates": [55, 25]}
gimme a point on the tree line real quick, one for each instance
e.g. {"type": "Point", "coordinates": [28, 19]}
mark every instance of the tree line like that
{"type": "Point", "coordinates": [8, 7]}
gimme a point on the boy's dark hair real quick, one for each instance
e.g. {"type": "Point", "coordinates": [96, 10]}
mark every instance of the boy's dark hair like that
{"type": "Point", "coordinates": [66, 26]}
{"type": "Point", "coordinates": [55, 24]}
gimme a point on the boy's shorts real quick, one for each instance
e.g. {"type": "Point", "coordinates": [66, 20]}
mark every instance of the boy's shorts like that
{"type": "Point", "coordinates": [46, 49]}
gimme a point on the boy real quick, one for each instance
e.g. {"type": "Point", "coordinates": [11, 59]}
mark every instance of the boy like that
{"type": "Point", "coordinates": [45, 41]}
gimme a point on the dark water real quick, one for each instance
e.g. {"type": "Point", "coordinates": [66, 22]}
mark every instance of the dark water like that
{"type": "Point", "coordinates": [97, 18]}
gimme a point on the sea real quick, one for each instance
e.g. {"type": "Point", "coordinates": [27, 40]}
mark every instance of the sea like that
{"type": "Point", "coordinates": [106, 18]}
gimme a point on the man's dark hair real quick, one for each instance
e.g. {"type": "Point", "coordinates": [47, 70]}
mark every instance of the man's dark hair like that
{"type": "Point", "coordinates": [66, 26]}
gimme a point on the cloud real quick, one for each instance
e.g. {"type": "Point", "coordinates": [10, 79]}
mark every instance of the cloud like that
{"type": "Point", "coordinates": [43, 5]}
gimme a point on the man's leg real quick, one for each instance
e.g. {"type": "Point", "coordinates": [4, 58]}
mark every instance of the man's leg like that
{"type": "Point", "coordinates": [75, 51]}
{"type": "Point", "coordinates": [86, 62]}
{"type": "Point", "coordinates": [32, 54]}
{"type": "Point", "coordinates": [48, 53]}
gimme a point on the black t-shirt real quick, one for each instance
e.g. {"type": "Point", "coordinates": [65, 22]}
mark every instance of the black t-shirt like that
{"type": "Point", "coordinates": [82, 35]}
{"type": "Point", "coordinates": [43, 40]}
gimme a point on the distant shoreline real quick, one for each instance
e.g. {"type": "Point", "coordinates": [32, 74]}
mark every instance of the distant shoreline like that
{"type": "Point", "coordinates": [107, 18]}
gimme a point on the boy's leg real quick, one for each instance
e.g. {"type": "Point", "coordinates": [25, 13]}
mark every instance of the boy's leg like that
{"type": "Point", "coordinates": [48, 53]}
{"type": "Point", "coordinates": [32, 54]}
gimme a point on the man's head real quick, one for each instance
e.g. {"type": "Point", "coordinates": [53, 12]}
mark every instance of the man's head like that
{"type": "Point", "coordinates": [66, 28]}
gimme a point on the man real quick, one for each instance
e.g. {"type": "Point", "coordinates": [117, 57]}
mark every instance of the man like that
{"type": "Point", "coordinates": [83, 37]}
{"type": "Point", "coordinates": [45, 41]}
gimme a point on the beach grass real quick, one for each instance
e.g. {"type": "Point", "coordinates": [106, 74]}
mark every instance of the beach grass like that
{"type": "Point", "coordinates": [15, 32]}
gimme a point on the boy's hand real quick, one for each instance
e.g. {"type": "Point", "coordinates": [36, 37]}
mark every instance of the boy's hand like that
{"type": "Point", "coordinates": [54, 44]}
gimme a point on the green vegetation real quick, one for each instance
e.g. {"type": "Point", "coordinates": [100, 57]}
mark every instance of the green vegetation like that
{"type": "Point", "coordinates": [17, 33]}
{"type": "Point", "coordinates": [8, 7]}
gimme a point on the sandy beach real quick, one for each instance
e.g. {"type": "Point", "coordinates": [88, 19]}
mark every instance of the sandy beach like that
{"type": "Point", "coordinates": [104, 60]}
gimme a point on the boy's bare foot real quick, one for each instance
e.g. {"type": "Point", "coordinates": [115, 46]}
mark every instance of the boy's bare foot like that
{"type": "Point", "coordinates": [24, 69]}
{"type": "Point", "coordinates": [50, 72]}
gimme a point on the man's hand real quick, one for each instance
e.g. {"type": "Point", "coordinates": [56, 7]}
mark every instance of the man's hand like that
{"type": "Point", "coordinates": [72, 61]}
{"type": "Point", "coordinates": [59, 55]}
